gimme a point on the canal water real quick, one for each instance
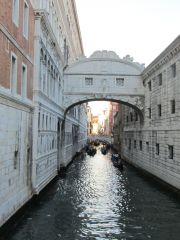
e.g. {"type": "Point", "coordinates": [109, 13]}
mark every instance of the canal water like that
{"type": "Point", "coordinates": [94, 200]}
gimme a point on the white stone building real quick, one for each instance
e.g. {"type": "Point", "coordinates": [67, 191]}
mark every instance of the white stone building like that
{"type": "Point", "coordinates": [57, 42]}
{"type": "Point", "coordinates": [153, 145]}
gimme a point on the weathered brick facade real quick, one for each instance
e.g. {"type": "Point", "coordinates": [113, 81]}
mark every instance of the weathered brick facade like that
{"type": "Point", "coordinates": [13, 40]}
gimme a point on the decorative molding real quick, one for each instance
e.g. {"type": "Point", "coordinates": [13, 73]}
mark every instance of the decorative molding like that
{"type": "Point", "coordinates": [48, 31]}
{"type": "Point", "coordinates": [170, 52]}
{"type": "Point", "coordinates": [102, 74]}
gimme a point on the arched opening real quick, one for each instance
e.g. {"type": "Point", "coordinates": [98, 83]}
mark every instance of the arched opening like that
{"type": "Point", "coordinates": [73, 135]}
{"type": "Point", "coordinates": [139, 112]}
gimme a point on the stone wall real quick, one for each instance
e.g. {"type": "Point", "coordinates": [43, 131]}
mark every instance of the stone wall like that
{"type": "Point", "coordinates": [15, 157]}
{"type": "Point", "coordinates": [154, 144]}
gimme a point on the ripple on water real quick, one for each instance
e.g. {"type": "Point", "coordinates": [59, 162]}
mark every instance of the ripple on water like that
{"type": "Point", "coordinates": [95, 201]}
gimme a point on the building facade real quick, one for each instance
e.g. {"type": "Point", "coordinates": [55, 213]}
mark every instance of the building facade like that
{"type": "Point", "coordinates": [89, 120]}
{"type": "Point", "coordinates": [57, 42]}
{"type": "Point", "coordinates": [153, 144]}
{"type": "Point", "coordinates": [16, 104]}
{"type": "Point", "coordinates": [38, 39]}
{"type": "Point", "coordinates": [113, 109]}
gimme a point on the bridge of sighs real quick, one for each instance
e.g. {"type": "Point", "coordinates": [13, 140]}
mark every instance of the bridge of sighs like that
{"type": "Point", "coordinates": [104, 76]}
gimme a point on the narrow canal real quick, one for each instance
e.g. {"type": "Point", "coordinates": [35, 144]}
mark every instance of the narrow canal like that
{"type": "Point", "coordinates": [94, 200]}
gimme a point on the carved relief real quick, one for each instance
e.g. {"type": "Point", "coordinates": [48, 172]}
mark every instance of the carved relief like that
{"type": "Point", "coordinates": [139, 102]}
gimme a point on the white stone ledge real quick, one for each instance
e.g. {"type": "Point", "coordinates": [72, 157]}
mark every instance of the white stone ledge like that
{"type": "Point", "coordinates": [12, 101]}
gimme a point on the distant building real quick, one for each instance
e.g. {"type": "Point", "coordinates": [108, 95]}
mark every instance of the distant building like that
{"type": "Point", "coordinates": [89, 120]}
{"type": "Point", "coordinates": [95, 125]}
{"type": "Point", "coordinates": [113, 109]}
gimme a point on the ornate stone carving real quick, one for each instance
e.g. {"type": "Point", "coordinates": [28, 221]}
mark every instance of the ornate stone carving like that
{"type": "Point", "coordinates": [139, 102]}
{"type": "Point", "coordinates": [105, 54]}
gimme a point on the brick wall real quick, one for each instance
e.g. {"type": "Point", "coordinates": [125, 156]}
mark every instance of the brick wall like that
{"type": "Point", "coordinates": [13, 40]}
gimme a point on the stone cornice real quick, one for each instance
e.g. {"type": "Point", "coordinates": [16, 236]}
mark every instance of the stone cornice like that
{"type": "Point", "coordinates": [9, 100]}
{"type": "Point", "coordinates": [102, 74]}
{"type": "Point", "coordinates": [83, 60]}
{"type": "Point", "coordinates": [172, 50]}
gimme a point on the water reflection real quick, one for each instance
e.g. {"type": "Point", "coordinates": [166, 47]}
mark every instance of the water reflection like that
{"type": "Point", "coordinates": [97, 201]}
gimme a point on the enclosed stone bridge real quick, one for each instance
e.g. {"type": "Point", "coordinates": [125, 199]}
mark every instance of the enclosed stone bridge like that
{"type": "Point", "coordinates": [104, 76]}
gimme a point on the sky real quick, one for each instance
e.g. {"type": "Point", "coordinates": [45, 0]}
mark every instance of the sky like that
{"type": "Point", "coordinates": [98, 106]}
{"type": "Point", "coordinates": [140, 28]}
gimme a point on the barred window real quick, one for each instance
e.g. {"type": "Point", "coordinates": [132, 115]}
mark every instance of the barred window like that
{"type": "Point", "coordinates": [129, 144]}
{"type": "Point", "coordinates": [119, 81]}
{"type": "Point", "coordinates": [171, 151]}
{"type": "Point", "coordinates": [173, 70]}
{"type": "Point", "coordinates": [149, 86]}
{"type": "Point", "coordinates": [140, 145]}
{"type": "Point", "coordinates": [173, 109]}
{"type": "Point", "coordinates": [131, 116]}
{"type": "Point", "coordinates": [149, 112]}
{"type": "Point", "coordinates": [88, 81]}
{"type": "Point", "coordinates": [157, 148]}
{"type": "Point", "coordinates": [159, 110]}
{"type": "Point", "coordinates": [136, 116]}
{"type": "Point", "coordinates": [147, 146]}
{"type": "Point", "coordinates": [160, 79]}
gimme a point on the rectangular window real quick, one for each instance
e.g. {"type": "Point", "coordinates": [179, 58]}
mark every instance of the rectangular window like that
{"type": "Point", "coordinates": [136, 116]}
{"type": "Point", "coordinates": [24, 81]}
{"type": "Point", "coordinates": [171, 151]}
{"type": "Point", "coordinates": [159, 110]}
{"type": "Point", "coordinates": [129, 144]}
{"type": "Point", "coordinates": [134, 144]}
{"type": "Point", "coordinates": [173, 70]}
{"type": "Point", "coordinates": [119, 81]}
{"type": "Point", "coordinates": [149, 86]}
{"type": "Point", "coordinates": [131, 116]}
{"type": "Point", "coordinates": [15, 12]}
{"type": "Point", "coordinates": [173, 108]}
{"type": "Point", "coordinates": [160, 79]}
{"type": "Point", "coordinates": [25, 19]}
{"type": "Point", "coordinates": [13, 73]}
{"type": "Point", "coordinates": [147, 146]}
{"type": "Point", "coordinates": [16, 159]}
{"type": "Point", "coordinates": [149, 112]}
{"type": "Point", "coordinates": [140, 145]}
{"type": "Point", "coordinates": [88, 81]}
{"type": "Point", "coordinates": [157, 148]}
{"type": "Point", "coordinates": [127, 119]}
